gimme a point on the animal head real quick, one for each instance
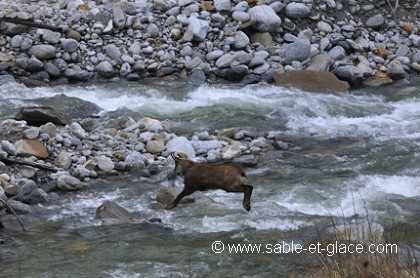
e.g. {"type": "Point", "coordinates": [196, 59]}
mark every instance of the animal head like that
{"type": "Point", "coordinates": [178, 156]}
{"type": "Point", "coordinates": [182, 163]}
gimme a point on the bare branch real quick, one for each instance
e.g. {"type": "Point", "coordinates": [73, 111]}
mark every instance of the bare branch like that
{"type": "Point", "coordinates": [14, 213]}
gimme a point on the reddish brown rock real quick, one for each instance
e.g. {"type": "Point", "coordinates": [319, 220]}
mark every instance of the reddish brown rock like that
{"type": "Point", "coordinates": [312, 81]}
{"type": "Point", "coordinates": [28, 147]}
{"type": "Point", "coordinates": [378, 79]}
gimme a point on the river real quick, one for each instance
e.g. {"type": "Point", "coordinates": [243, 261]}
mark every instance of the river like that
{"type": "Point", "coordinates": [351, 157]}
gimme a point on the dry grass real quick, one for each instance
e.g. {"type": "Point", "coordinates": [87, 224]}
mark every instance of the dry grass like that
{"type": "Point", "coordinates": [400, 263]}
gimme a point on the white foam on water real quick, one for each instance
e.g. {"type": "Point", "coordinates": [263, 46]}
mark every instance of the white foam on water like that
{"type": "Point", "coordinates": [83, 207]}
{"type": "Point", "coordinates": [278, 224]}
{"type": "Point", "coordinates": [350, 116]}
{"type": "Point", "coordinates": [385, 121]}
{"type": "Point", "coordinates": [306, 114]}
{"type": "Point", "coordinates": [400, 185]}
{"type": "Point", "coordinates": [123, 271]}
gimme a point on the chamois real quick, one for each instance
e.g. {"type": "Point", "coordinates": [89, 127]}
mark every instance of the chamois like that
{"type": "Point", "coordinates": [206, 176]}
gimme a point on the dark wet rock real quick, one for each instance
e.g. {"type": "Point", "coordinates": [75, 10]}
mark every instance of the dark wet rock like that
{"type": "Point", "coordinates": [77, 74]}
{"type": "Point", "coordinates": [39, 115]}
{"type": "Point", "coordinates": [251, 79]}
{"type": "Point", "coordinates": [19, 207]}
{"type": "Point", "coordinates": [33, 83]}
{"type": "Point", "coordinates": [349, 73]}
{"type": "Point", "coordinates": [197, 77]}
{"type": "Point", "coordinates": [165, 197]}
{"type": "Point", "coordinates": [111, 211]}
{"type": "Point", "coordinates": [71, 107]}
{"type": "Point", "coordinates": [52, 69]}
{"type": "Point", "coordinates": [236, 73]}
{"type": "Point", "coordinates": [34, 64]}
{"type": "Point", "coordinates": [312, 81]}
{"type": "Point", "coordinates": [29, 193]}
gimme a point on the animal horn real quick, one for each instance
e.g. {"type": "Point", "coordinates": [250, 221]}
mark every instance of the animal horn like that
{"type": "Point", "coordinates": [179, 155]}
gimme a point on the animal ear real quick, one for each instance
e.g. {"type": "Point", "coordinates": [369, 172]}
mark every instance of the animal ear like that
{"type": "Point", "coordinates": [179, 156]}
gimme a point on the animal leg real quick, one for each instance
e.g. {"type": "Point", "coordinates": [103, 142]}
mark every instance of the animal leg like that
{"type": "Point", "coordinates": [247, 197]}
{"type": "Point", "coordinates": [184, 192]}
{"type": "Point", "coordinates": [247, 190]}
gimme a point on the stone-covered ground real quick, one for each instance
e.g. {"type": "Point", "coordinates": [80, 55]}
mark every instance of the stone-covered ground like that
{"type": "Point", "coordinates": [360, 41]}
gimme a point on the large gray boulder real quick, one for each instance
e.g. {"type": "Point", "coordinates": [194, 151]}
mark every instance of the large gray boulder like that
{"type": "Point", "coordinates": [180, 144]}
{"type": "Point", "coordinates": [39, 115]}
{"type": "Point", "coordinates": [263, 18]}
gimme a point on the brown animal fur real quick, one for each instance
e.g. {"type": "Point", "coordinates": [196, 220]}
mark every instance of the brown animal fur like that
{"type": "Point", "coordinates": [205, 176]}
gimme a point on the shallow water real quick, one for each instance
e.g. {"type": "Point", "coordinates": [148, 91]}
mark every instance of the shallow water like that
{"type": "Point", "coordinates": [351, 155]}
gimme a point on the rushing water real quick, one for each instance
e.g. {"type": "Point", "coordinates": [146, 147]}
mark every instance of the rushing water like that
{"type": "Point", "coordinates": [350, 155]}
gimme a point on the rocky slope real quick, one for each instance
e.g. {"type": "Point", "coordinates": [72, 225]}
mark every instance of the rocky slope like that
{"type": "Point", "coordinates": [360, 41]}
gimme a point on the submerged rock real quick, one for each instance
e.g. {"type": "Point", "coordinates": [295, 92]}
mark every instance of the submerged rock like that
{"type": "Point", "coordinates": [110, 210]}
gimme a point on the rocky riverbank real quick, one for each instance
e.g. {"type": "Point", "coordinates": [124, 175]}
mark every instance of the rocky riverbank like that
{"type": "Point", "coordinates": [39, 162]}
{"type": "Point", "coordinates": [361, 42]}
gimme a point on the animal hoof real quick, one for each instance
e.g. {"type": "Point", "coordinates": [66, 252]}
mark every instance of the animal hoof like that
{"type": "Point", "coordinates": [169, 207]}
{"type": "Point", "coordinates": [247, 207]}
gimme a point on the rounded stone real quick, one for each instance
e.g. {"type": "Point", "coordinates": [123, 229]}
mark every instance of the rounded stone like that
{"type": "Point", "coordinates": [297, 10]}
{"type": "Point", "coordinates": [42, 51]}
